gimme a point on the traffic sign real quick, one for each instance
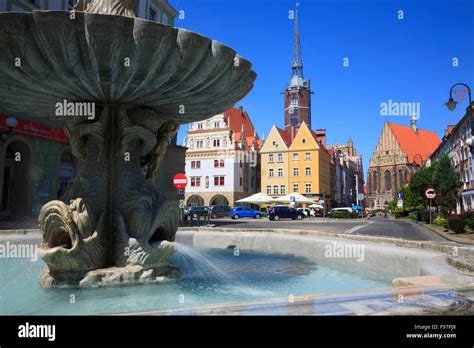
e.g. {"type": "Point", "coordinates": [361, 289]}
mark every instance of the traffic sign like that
{"type": "Point", "coordinates": [180, 181]}
{"type": "Point", "coordinates": [400, 203]}
{"type": "Point", "coordinates": [292, 199]}
{"type": "Point", "coordinates": [430, 193]}
{"type": "Point", "coordinates": [399, 196]}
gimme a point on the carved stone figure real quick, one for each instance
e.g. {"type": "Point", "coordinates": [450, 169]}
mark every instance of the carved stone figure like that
{"type": "Point", "coordinates": [113, 225]}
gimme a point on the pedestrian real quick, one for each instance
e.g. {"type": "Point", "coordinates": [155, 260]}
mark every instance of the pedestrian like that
{"type": "Point", "coordinates": [385, 214]}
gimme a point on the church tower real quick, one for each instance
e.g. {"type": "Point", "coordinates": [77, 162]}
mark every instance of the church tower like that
{"type": "Point", "coordinates": [298, 93]}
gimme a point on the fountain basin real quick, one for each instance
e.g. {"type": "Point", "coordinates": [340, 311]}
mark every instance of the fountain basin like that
{"type": "Point", "coordinates": [268, 271]}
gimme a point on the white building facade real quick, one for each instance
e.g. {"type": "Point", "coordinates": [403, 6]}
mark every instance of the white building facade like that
{"type": "Point", "coordinates": [222, 160]}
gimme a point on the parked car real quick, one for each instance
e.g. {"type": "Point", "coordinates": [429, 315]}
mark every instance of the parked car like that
{"type": "Point", "coordinates": [239, 212]}
{"type": "Point", "coordinates": [279, 212]}
{"type": "Point", "coordinates": [196, 211]}
{"type": "Point", "coordinates": [220, 211]}
{"type": "Point", "coordinates": [343, 209]}
{"type": "Point", "coordinates": [307, 212]}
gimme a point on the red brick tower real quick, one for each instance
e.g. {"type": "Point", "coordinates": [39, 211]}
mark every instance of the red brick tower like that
{"type": "Point", "coordinates": [298, 93]}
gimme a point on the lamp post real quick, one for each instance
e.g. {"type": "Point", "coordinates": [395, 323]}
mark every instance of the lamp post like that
{"type": "Point", "coordinates": [11, 124]}
{"type": "Point", "coordinates": [451, 104]}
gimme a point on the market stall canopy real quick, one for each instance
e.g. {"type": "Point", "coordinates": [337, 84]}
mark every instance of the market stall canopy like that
{"type": "Point", "coordinates": [294, 197]}
{"type": "Point", "coordinates": [258, 198]}
{"type": "Point", "coordinates": [316, 206]}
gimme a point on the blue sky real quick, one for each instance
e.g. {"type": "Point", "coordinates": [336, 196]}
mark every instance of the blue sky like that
{"type": "Point", "coordinates": [408, 60]}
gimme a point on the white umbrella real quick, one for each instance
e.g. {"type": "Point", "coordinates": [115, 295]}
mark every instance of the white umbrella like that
{"type": "Point", "coordinates": [258, 198]}
{"type": "Point", "coordinates": [297, 198]}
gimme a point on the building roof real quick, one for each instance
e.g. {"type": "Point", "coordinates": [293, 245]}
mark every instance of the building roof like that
{"type": "Point", "coordinates": [236, 118]}
{"type": "Point", "coordinates": [317, 139]}
{"type": "Point", "coordinates": [414, 144]}
{"type": "Point", "coordinates": [285, 135]}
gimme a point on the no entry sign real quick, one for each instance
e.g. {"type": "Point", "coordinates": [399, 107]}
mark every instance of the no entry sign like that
{"type": "Point", "coordinates": [430, 193]}
{"type": "Point", "coordinates": [180, 181]}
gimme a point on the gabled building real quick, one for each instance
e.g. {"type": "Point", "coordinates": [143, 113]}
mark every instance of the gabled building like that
{"type": "Point", "coordinates": [275, 162]}
{"type": "Point", "coordinates": [400, 152]}
{"type": "Point", "coordinates": [222, 160]}
{"type": "Point", "coordinates": [296, 164]}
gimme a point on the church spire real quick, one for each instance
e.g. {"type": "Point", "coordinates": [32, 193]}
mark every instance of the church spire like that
{"type": "Point", "coordinates": [297, 66]}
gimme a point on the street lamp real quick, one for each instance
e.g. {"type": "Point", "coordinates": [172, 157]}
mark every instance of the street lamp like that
{"type": "Point", "coordinates": [11, 124]}
{"type": "Point", "coordinates": [451, 104]}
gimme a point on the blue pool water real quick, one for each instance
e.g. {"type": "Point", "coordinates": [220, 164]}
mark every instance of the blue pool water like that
{"type": "Point", "coordinates": [213, 277]}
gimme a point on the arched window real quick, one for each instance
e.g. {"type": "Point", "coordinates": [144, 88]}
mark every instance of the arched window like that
{"type": "Point", "coordinates": [388, 180]}
{"type": "Point", "coordinates": [374, 181]}
{"type": "Point", "coordinates": [400, 178]}
{"type": "Point", "coordinates": [275, 190]}
{"type": "Point", "coordinates": [269, 190]}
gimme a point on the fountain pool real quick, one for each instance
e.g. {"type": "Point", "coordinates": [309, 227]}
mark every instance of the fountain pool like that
{"type": "Point", "coordinates": [209, 276]}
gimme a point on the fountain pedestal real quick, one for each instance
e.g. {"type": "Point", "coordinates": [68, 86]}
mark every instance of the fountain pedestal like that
{"type": "Point", "coordinates": [144, 79]}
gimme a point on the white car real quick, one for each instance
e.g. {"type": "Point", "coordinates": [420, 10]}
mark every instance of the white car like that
{"type": "Point", "coordinates": [307, 212]}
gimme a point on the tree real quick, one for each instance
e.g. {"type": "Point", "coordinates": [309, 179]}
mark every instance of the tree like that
{"type": "Point", "coordinates": [446, 182]}
{"type": "Point", "coordinates": [419, 182]}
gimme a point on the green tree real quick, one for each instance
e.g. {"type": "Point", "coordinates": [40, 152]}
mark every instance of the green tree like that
{"type": "Point", "coordinates": [446, 182]}
{"type": "Point", "coordinates": [419, 182]}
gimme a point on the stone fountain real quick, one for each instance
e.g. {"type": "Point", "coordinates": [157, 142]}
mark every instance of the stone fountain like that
{"type": "Point", "coordinates": [144, 79]}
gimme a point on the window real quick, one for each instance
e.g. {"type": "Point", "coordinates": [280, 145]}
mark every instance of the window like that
{"type": "Point", "coordinates": [165, 19]}
{"type": "Point", "coordinates": [280, 172]}
{"type": "Point", "coordinates": [295, 157]}
{"type": "Point", "coordinates": [195, 164]}
{"type": "Point", "coordinates": [219, 181]}
{"type": "Point", "coordinates": [195, 181]}
{"type": "Point", "coordinates": [152, 14]}
{"type": "Point", "coordinates": [296, 172]}
{"type": "Point", "coordinates": [307, 156]}
{"type": "Point", "coordinates": [400, 178]}
{"type": "Point", "coordinates": [240, 164]}
{"type": "Point", "coordinates": [216, 124]}
{"type": "Point", "coordinates": [283, 189]}
{"type": "Point", "coordinates": [241, 181]}
{"type": "Point", "coordinates": [270, 158]}
{"type": "Point", "coordinates": [199, 126]}
{"type": "Point", "coordinates": [296, 188]}
{"type": "Point", "coordinates": [275, 190]}
{"type": "Point", "coordinates": [199, 144]}
{"type": "Point", "coordinates": [294, 103]}
{"type": "Point", "coordinates": [303, 141]}
{"type": "Point", "coordinates": [388, 180]}
{"type": "Point", "coordinates": [280, 157]}
{"type": "Point", "coordinates": [307, 171]}
{"type": "Point", "coordinates": [270, 173]}
{"type": "Point", "coordinates": [307, 188]}
{"type": "Point", "coordinates": [216, 142]}
{"type": "Point", "coordinates": [374, 181]}
{"type": "Point", "coordinates": [269, 190]}
{"type": "Point", "coordinates": [219, 163]}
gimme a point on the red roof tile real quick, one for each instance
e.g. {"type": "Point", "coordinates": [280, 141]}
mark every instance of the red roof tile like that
{"type": "Point", "coordinates": [236, 118]}
{"type": "Point", "coordinates": [285, 135]}
{"type": "Point", "coordinates": [414, 144]}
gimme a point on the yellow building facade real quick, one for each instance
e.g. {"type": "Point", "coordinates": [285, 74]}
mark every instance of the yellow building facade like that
{"type": "Point", "coordinates": [299, 165]}
{"type": "Point", "coordinates": [274, 163]}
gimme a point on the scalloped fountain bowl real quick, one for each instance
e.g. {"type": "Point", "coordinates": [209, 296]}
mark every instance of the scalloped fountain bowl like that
{"type": "Point", "coordinates": [142, 80]}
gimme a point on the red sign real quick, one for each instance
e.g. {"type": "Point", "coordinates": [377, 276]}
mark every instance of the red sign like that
{"type": "Point", "coordinates": [35, 129]}
{"type": "Point", "coordinates": [430, 193]}
{"type": "Point", "coordinates": [180, 181]}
